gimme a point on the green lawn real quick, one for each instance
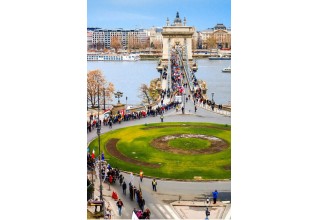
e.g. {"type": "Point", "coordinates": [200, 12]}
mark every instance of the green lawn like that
{"type": "Point", "coordinates": [189, 143]}
{"type": "Point", "coordinates": [135, 143]}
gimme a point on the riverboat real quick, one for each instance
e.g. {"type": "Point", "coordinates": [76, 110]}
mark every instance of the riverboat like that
{"type": "Point", "coordinates": [226, 70]}
{"type": "Point", "coordinates": [219, 58]}
{"type": "Point", "coordinates": [112, 57]}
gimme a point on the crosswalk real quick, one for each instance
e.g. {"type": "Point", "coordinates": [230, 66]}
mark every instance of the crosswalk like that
{"type": "Point", "coordinates": [158, 211]}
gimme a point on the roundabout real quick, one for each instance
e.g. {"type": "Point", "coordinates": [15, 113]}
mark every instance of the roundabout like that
{"type": "Point", "coordinates": [176, 150]}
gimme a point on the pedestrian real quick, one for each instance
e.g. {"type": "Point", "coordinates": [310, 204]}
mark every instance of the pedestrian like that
{"type": "Point", "coordinates": [124, 188]}
{"type": "Point", "coordinates": [141, 175]}
{"type": "Point", "coordinates": [215, 196]}
{"type": "Point", "coordinates": [207, 213]}
{"type": "Point", "coordinates": [131, 191]}
{"type": "Point", "coordinates": [119, 204]}
{"type": "Point", "coordinates": [120, 179]}
{"type": "Point", "coordinates": [154, 185]}
{"type": "Point", "coordinates": [195, 108]}
{"type": "Point", "coordinates": [161, 117]}
{"type": "Point", "coordinates": [110, 179]}
{"type": "Point", "coordinates": [142, 203]}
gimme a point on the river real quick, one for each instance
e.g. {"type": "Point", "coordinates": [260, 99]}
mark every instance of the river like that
{"type": "Point", "coordinates": [128, 76]}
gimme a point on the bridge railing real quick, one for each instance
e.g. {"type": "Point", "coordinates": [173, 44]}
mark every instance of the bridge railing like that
{"type": "Point", "coordinates": [186, 70]}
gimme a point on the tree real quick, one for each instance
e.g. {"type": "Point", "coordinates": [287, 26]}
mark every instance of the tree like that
{"type": "Point", "coordinates": [115, 43]}
{"type": "Point", "coordinates": [145, 94]}
{"type": "Point", "coordinates": [157, 44]}
{"type": "Point", "coordinates": [149, 94]}
{"type": "Point", "coordinates": [194, 45]}
{"type": "Point", "coordinates": [211, 42]}
{"type": "Point", "coordinates": [95, 80]}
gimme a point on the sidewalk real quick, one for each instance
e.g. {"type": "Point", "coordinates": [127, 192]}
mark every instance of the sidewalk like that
{"type": "Point", "coordinates": [196, 209]}
{"type": "Point", "coordinates": [183, 209]}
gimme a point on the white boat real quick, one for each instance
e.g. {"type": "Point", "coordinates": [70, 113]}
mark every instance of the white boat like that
{"type": "Point", "coordinates": [111, 57]}
{"type": "Point", "coordinates": [131, 57]}
{"type": "Point", "coordinates": [226, 70]}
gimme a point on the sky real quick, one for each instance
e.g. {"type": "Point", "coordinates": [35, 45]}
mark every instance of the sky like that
{"type": "Point", "coordinates": [129, 14]}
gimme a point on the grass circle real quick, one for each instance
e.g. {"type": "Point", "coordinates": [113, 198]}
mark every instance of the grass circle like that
{"type": "Point", "coordinates": [163, 161]}
{"type": "Point", "coordinates": [189, 143]}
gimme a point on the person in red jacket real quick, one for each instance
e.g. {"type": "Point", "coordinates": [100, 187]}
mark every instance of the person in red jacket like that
{"type": "Point", "coordinates": [110, 179]}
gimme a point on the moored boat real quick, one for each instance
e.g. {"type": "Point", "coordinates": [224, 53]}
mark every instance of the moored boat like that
{"type": "Point", "coordinates": [112, 57]}
{"type": "Point", "coordinates": [219, 58]}
{"type": "Point", "coordinates": [226, 70]}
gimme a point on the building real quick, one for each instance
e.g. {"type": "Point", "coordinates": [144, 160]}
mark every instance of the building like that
{"type": "Point", "coordinates": [100, 39]}
{"type": "Point", "coordinates": [156, 38]}
{"type": "Point", "coordinates": [217, 37]}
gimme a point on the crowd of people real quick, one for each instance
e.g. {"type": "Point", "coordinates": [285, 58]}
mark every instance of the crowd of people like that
{"type": "Point", "coordinates": [112, 119]}
{"type": "Point", "coordinates": [111, 175]}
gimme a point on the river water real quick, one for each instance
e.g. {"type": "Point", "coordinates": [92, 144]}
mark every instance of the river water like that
{"type": "Point", "coordinates": [128, 76]}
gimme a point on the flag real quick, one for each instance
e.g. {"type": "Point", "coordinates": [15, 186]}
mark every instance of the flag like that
{"type": "Point", "coordinates": [92, 154]}
{"type": "Point", "coordinates": [102, 156]}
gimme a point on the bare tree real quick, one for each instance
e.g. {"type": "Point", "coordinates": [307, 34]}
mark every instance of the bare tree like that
{"type": "Point", "coordinates": [144, 90]}
{"type": "Point", "coordinates": [96, 83]}
{"type": "Point", "coordinates": [116, 43]}
{"type": "Point", "coordinates": [157, 44]}
{"type": "Point", "coordinates": [211, 42]}
{"type": "Point", "coordinates": [149, 94]}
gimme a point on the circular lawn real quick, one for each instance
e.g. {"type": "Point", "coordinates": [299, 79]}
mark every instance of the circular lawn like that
{"type": "Point", "coordinates": [177, 150]}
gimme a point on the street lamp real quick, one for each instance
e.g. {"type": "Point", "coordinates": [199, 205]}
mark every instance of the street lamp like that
{"type": "Point", "coordinates": [104, 99]}
{"type": "Point", "coordinates": [126, 101]}
{"type": "Point", "coordinates": [118, 95]}
{"type": "Point", "coordinates": [98, 133]}
{"type": "Point", "coordinates": [184, 103]}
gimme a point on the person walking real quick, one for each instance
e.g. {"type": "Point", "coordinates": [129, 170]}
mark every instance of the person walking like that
{"type": "Point", "coordinates": [141, 175]}
{"type": "Point", "coordinates": [207, 213]}
{"type": "Point", "coordinates": [110, 179]}
{"type": "Point", "coordinates": [124, 188]}
{"type": "Point", "coordinates": [154, 185]}
{"type": "Point", "coordinates": [195, 108]}
{"type": "Point", "coordinates": [142, 203]}
{"type": "Point", "coordinates": [161, 117]}
{"type": "Point", "coordinates": [215, 196]}
{"type": "Point", "coordinates": [119, 204]}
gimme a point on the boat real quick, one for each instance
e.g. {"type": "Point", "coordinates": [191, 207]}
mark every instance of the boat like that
{"type": "Point", "coordinates": [95, 56]}
{"type": "Point", "coordinates": [226, 70]}
{"type": "Point", "coordinates": [131, 57]}
{"type": "Point", "coordinates": [219, 58]}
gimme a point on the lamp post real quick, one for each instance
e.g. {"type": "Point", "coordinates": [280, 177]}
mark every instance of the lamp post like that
{"type": "Point", "coordinates": [98, 133]}
{"type": "Point", "coordinates": [184, 103]}
{"type": "Point", "coordinates": [104, 99]}
{"type": "Point", "coordinates": [118, 95]}
{"type": "Point", "coordinates": [126, 101]}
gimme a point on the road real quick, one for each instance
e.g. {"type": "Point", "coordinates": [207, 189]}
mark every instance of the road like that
{"type": "Point", "coordinates": [167, 191]}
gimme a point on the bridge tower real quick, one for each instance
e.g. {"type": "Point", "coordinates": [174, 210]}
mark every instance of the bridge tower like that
{"type": "Point", "coordinates": [177, 34]}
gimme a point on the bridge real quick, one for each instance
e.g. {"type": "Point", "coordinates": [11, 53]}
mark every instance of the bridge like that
{"type": "Point", "coordinates": [176, 67]}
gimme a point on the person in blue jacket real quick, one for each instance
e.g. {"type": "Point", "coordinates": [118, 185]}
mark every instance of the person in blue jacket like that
{"type": "Point", "coordinates": [215, 196]}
